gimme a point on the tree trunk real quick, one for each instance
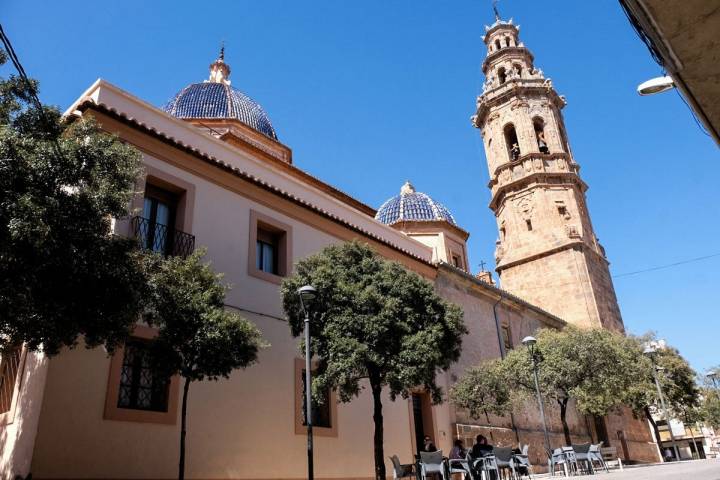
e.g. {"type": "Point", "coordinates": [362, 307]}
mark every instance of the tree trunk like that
{"type": "Point", "coordinates": [563, 418]}
{"type": "Point", "coordinates": [183, 430]}
{"type": "Point", "coordinates": [648, 415]}
{"type": "Point", "coordinates": [376, 387]}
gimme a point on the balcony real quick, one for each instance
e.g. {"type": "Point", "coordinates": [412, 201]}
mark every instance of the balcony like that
{"type": "Point", "coordinates": [161, 238]}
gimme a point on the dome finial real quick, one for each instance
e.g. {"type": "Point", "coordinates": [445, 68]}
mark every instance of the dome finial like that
{"type": "Point", "coordinates": [219, 70]}
{"type": "Point", "coordinates": [407, 188]}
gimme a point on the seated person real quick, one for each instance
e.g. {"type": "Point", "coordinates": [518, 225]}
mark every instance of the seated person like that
{"type": "Point", "coordinates": [458, 452]}
{"type": "Point", "coordinates": [481, 447]}
{"type": "Point", "coordinates": [479, 450]}
{"type": "Point", "coordinates": [429, 446]}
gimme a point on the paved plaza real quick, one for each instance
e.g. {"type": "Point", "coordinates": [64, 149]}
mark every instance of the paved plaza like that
{"type": "Point", "coordinates": [696, 470]}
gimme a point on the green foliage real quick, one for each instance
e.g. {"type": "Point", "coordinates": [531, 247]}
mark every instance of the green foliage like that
{"type": "Point", "coordinates": [594, 366]}
{"type": "Point", "coordinates": [677, 380]}
{"type": "Point", "coordinates": [62, 273]}
{"type": "Point", "coordinates": [483, 390]}
{"type": "Point", "coordinates": [372, 319]}
{"type": "Point", "coordinates": [198, 338]}
{"type": "Point", "coordinates": [710, 407]}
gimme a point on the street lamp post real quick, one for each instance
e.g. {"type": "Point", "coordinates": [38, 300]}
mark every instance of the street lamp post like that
{"type": "Point", "coordinates": [307, 294]}
{"type": "Point", "coordinates": [530, 342]}
{"type": "Point", "coordinates": [650, 351]}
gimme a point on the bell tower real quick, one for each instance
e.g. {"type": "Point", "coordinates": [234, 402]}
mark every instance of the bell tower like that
{"type": "Point", "coordinates": [547, 252]}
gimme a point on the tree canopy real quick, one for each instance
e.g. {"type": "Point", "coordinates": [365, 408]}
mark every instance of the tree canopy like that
{"type": "Point", "coordinates": [594, 367]}
{"type": "Point", "coordinates": [677, 380]}
{"type": "Point", "coordinates": [62, 272]}
{"type": "Point", "coordinates": [484, 390]}
{"type": "Point", "coordinates": [375, 321]}
{"type": "Point", "coordinates": [197, 337]}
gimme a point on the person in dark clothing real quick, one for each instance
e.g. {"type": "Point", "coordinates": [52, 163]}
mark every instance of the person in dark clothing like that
{"type": "Point", "coordinates": [481, 447]}
{"type": "Point", "coordinates": [479, 450]}
{"type": "Point", "coordinates": [429, 446]}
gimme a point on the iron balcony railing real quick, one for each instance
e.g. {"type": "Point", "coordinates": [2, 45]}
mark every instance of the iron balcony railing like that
{"type": "Point", "coordinates": [161, 238]}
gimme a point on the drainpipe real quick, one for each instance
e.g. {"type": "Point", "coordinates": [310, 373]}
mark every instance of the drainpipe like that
{"type": "Point", "coordinates": [501, 344]}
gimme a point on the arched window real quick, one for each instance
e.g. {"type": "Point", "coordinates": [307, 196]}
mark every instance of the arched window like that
{"type": "Point", "coordinates": [542, 144]}
{"type": "Point", "coordinates": [507, 41]}
{"type": "Point", "coordinates": [502, 76]}
{"type": "Point", "coordinates": [518, 69]}
{"type": "Point", "coordinates": [511, 142]}
{"type": "Point", "coordinates": [497, 44]}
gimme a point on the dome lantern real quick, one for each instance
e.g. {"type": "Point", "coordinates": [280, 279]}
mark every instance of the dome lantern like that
{"type": "Point", "coordinates": [412, 206]}
{"type": "Point", "coordinates": [215, 100]}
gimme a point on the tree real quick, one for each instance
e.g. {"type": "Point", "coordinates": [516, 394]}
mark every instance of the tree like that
{"type": "Point", "coordinates": [197, 338]}
{"type": "Point", "coordinates": [595, 367]}
{"type": "Point", "coordinates": [483, 390]}
{"type": "Point", "coordinates": [676, 378]}
{"type": "Point", "coordinates": [374, 321]}
{"type": "Point", "coordinates": [710, 407]}
{"type": "Point", "coordinates": [63, 275]}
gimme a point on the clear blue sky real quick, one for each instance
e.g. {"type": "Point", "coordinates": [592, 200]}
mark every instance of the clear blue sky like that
{"type": "Point", "coordinates": [369, 94]}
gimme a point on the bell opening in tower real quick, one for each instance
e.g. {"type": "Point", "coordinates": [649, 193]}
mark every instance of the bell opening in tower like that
{"type": "Point", "coordinates": [539, 125]}
{"type": "Point", "coordinates": [511, 142]}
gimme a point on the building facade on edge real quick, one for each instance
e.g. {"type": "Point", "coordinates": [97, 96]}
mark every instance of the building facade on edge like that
{"type": "Point", "coordinates": [216, 175]}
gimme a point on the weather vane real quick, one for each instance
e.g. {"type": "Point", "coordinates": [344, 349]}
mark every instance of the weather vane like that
{"type": "Point", "coordinates": [495, 9]}
{"type": "Point", "coordinates": [222, 50]}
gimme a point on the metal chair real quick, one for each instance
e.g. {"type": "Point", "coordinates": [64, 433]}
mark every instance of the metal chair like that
{"type": "Point", "coordinates": [582, 456]}
{"type": "Point", "coordinates": [522, 460]}
{"type": "Point", "coordinates": [504, 460]}
{"type": "Point", "coordinates": [432, 462]}
{"type": "Point", "coordinates": [401, 470]}
{"type": "Point", "coordinates": [571, 459]}
{"type": "Point", "coordinates": [595, 455]}
{"type": "Point", "coordinates": [557, 458]}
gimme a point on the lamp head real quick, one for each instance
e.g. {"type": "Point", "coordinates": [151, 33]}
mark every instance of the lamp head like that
{"type": "Point", "coordinates": [529, 341]}
{"type": "Point", "coordinates": [656, 85]}
{"type": "Point", "coordinates": [712, 374]}
{"type": "Point", "coordinates": [307, 293]}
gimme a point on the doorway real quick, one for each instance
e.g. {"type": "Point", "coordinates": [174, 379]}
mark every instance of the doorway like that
{"type": "Point", "coordinates": [422, 419]}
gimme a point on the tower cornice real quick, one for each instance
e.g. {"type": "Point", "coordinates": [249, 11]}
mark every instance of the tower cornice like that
{"type": "Point", "coordinates": [515, 88]}
{"type": "Point", "coordinates": [509, 52]}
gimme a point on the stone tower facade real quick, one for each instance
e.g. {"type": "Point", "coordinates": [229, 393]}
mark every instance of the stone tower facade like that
{"type": "Point", "coordinates": [547, 252]}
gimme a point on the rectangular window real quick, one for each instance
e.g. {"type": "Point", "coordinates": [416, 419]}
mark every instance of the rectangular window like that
{"type": "Point", "coordinates": [529, 225]}
{"type": "Point", "coordinates": [507, 337]}
{"type": "Point", "coordinates": [9, 368]}
{"type": "Point", "coordinates": [266, 253]}
{"type": "Point", "coordinates": [321, 414]}
{"type": "Point", "coordinates": [159, 208]}
{"type": "Point", "coordinates": [142, 387]}
{"type": "Point", "coordinates": [270, 248]}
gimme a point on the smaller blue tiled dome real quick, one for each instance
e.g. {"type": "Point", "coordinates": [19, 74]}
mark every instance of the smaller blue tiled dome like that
{"type": "Point", "coordinates": [215, 99]}
{"type": "Point", "coordinates": [412, 206]}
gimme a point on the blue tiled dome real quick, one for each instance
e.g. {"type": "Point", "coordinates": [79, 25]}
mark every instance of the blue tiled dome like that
{"type": "Point", "coordinates": [215, 99]}
{"type": "Point", "coordinates": [412, 206]}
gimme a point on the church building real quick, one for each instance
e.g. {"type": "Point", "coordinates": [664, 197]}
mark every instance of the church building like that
{"type": "Point", "coordinates": [218, 175]}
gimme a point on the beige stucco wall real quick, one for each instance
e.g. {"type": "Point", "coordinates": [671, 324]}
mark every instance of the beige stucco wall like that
{"type": "Point", "coordinates": [238, 428]}
{"type": "Point", "coordinates": [17, 436]}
